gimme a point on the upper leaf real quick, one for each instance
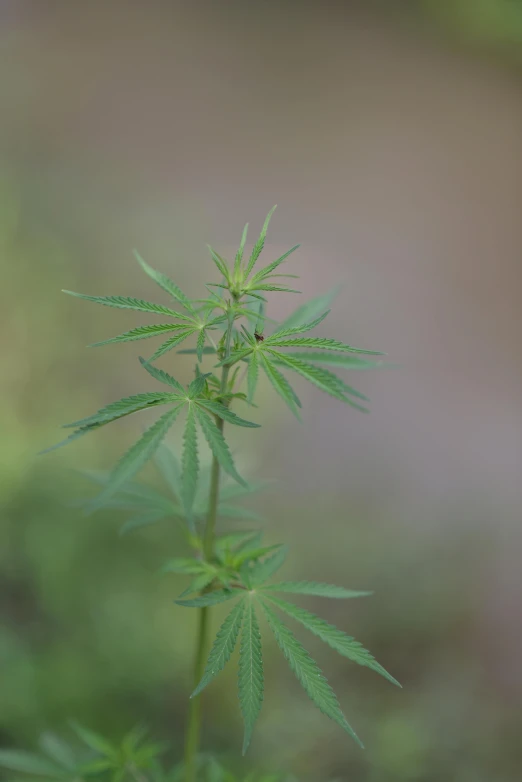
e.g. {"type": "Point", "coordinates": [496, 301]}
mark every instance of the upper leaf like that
{"type": "Point", "coordinates": [144, 332]}
{"type": "Point", "coordinates": [318, 342]}
{"type": "Point", "coordinates": [258, 247]}
{"type": "Point", "coordinates": [130, 303]}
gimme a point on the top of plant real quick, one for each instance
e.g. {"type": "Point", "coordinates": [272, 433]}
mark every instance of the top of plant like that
{"type": "Point", "coordinates": [237, 299]}
{"type": "Point", "coordinates": [228, 329]}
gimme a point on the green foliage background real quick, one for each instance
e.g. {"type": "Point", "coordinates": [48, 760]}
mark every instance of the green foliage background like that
{"type": "Point", "coordinates": [90, 632]}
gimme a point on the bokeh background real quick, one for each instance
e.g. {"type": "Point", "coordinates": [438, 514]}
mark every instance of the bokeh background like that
{"type": "Point", "coordinates": [390, 136]}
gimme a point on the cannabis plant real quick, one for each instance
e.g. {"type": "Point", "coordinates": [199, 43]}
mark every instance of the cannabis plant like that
{"type": "Point", "coordinates": [234, 343]}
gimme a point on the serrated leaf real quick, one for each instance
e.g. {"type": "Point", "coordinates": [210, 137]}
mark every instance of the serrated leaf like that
{"type": "Point", "coordinates": [281, 385]}
{"type": "Point", "coordinates": [94, 741]}
{"type": "Point", "coordinates": [123, 407]}
{"type": "Point", "coordinates": [314, 588]}
{"type": "Point", "coordinates": [218, 445]}
{"type": "Point", "coordinates": [165, 282]}
{"type": "Point", "coordinates": [227, 415]}
{"type": "Point", "coordinates": [320, 342]}
{"type": "Point", "coordinates": [129, 303]}
{"type": "Point", "coordinates": [171, 343]}
{"type": "Point", "coordinates": [142, 332]}
{"type": "Point", "coordinates": [344, 644]}
{"type": "Point", "coordinates": [283, 331]}
{"type": "Point", "coordinates": [310, 309]}
{"type": "Point", "coordinates": [322, 378]}
{"type": "Point", "coordinates": [262, 274]}
{"type": "Point", "coordinates": [258, 247]}
{"type": "Point", "coordinates": [189, 464]}
{"type": "Point", "coordinates": [346, 361]}
{"type": "Point", "coordinates": [239, 254]}
{"type": "Point", "coordinates": [209, 599]}
{"type": "Point", "coordinates": [262, 571]}
{"type": "Point", "coordinates": [137, 455]}
{"type": "Point", "coordinates": [250, 680]}
{"type": "Point", "coordinates": [162, 376]}
{"type": "Point", "coordinates": [252, 375]}
{"type": "Point", "coordinates": [308, 672]}
{"type": "Point", "coordinates": [29, 763]}
{"type": "Point", "coordinates": [224, 645]}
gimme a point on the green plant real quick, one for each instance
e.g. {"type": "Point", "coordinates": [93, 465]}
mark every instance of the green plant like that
{"type": "Point", "coordinates": [228, 325]}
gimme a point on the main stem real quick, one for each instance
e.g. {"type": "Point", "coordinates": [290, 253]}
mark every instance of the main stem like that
{"type": "Point", "coordinates": [194, 717]}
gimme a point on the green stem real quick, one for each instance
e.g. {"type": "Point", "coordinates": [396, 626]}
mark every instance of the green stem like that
{"type": "Point", "coordinates": [194, 717]}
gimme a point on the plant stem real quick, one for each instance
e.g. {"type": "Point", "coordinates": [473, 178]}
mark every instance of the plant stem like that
{"type": "Point", "coordinates": [194, 717]}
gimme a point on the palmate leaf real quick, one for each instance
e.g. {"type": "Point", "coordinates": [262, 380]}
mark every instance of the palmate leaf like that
{"type": "Point", "coordinates": [166, 283]}
{"type": "Point", "coordinates": [130, 303]}
{"type": "Point", "coordinates": [218, 445]}
{"type": "Point", "coordinates": [190, 464]}
{"type": "Point", "coordinates": [223, 646]}
{"type": "Point", "coordinates": [137, 455]}
{"type": "Point", "coordinates": [314, 588]}
{"type": "Point", "coordinates": [142, 332]}
{"type": "Point", "coordinates": [307, 672]}
{"type": "Point", "coordinates": [258, 247]}
{"type": "Point", "coordinates": [344, 644]}
{"type": "Point", "coordinates": [324, 380]}
{"type": "Point", "coordinates": [239, 254]}
{"type": "Point", "coordinates": [250, 679]}
{"type": "Point", "coordinates": [186, 565]}
{"type": "Point", "coordinates": [317, 342]}
{"type": "Point", "coordinates": [281, 385]}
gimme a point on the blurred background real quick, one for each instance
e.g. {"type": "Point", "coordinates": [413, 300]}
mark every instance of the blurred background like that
{"type": "Point", "coordinates": [389, 134]}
